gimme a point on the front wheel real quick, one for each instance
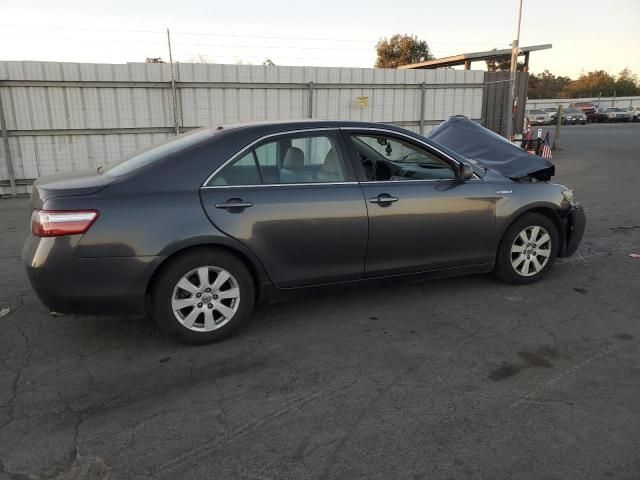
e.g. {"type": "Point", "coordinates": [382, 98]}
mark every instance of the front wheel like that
{"type": "Point", "coordinates": [202, 296]}
{"type": "Point", "coordinates": [528, 249]}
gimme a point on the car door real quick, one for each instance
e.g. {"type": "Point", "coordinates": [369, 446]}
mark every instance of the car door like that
{"type": "Point", "coordinates": [421, 216]}
{"type": "Point", "coordinates": [295, 202]}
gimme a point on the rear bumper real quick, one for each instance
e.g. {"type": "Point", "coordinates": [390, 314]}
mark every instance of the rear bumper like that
{"type": "Point", "coordinates": [575, 224]}
{"type": "Point", "coordinates": [99, 286]}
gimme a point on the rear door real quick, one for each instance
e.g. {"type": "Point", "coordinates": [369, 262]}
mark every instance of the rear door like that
{"type": "Point", "coordinates": [295, 202]}
{"type": "Point", "coordinates": [421, 217]}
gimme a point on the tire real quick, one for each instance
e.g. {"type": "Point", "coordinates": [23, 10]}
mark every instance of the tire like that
{"type": "Point", "coordinates": [201, 313]}
{"type": "Point", "coordinates": [510, 266]}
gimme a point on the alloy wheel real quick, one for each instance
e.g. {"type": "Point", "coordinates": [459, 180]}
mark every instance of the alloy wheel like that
{"type": "Point", "coordinates": [531, 250]}
{"type": "Point", "coordinates": [205, 298]}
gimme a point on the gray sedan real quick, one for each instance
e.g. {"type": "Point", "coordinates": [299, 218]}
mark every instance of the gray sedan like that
{"type": "Point", "coordinates": [574, 116]}
{"type": "Point", "coordinates": [197, 230]}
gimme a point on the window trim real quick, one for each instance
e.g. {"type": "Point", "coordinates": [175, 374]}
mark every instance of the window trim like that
{"type": "Point", "coordinates": [244, 150]}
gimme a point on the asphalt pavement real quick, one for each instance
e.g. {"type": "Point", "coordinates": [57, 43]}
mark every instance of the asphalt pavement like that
{"type": "Point", "coordinates": [462, 378]}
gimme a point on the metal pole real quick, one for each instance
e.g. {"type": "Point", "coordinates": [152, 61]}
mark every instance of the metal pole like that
{"type": "Point", "coordinates": [513, 70]}
{"type": "Point", "coordinates": [173, 87]}
{"type": "Point", "coordinates": [7, 150]}
{"type": "Point", "coordinates": [423, 91]}
{"type": "Point", "coordinates": [556, 138]}
{"type": "Point", "coordinates": [310, 99]}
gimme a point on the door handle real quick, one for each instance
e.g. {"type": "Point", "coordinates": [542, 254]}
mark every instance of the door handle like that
{"type": "Point", "coordinates": [383, 199]}
{"type": "Point", "coordinates": [234, 203]}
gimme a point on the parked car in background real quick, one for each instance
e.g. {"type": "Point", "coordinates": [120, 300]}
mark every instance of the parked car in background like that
{"type": "Point", "coordinates": [573, 116]}
{"type": "Point", "coordinates": [537, 117]}
{"type": "Point", "coordinates": [588, 108]}
{"type": "Point", "coordinates": [631, 113]}
{"type": "Point", "coordinates": [200, 228]}
{"type": "Point", "coordinates": [552, 114]}
{"type": "Point", "coordinates": [636, 113]}
{"type": "Point", "coordinates": [613, 114]}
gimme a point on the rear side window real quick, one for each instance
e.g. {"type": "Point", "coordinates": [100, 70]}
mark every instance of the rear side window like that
{"type": "Point", "coordinates": [157, 152]}
{"type": "Point", "coordinates": [309, 158]}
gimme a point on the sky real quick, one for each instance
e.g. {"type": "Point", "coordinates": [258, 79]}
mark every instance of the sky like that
{"type": "Point", "coordinates": [586, 34]}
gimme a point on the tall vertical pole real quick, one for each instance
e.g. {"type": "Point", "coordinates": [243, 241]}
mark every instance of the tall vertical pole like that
{"type": "Point", "coordinates": [311, 99]}
{"type": "Point", "coordinates": [423, 91]}
{"type": "Point", "coordinates": [173, 87]}
{"type": "Point", "coordinates": [7, 150]}
{"type": "Point", "coordinates": [513, 70]}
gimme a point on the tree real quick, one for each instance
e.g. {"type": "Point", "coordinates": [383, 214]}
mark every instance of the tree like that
{"type": "Point", "coordinates": [401, 50]}
{"type": "Point", "coordinates": [268, 63]}
{"type": "Point", "coordinates": [200, 58]}
{"type": "Point", "coordinates": [154, 60]}
{"type": "Point", "coordinates": [591, 84]}
{"type": "Point", "coordinates": [546, 85]}
{"type": "Point", "coordinates": [627, 84]}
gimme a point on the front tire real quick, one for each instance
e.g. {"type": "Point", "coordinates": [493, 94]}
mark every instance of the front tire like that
{"type": "Point", "coordinates": [528, 249]}
{"type": "Point", "coordinates": [202, 296]}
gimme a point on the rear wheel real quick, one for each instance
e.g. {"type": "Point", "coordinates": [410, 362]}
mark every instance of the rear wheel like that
{"type": "Point", "coordinates": [202, 296]}
{"type": "Point", "coordinates": [528, 249]}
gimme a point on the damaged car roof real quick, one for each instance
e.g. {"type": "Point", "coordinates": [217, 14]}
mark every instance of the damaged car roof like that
{"type": "Point", "coordinates": [475, 142]}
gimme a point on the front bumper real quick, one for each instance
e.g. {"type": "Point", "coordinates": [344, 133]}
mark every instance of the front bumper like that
{"type": "Point", "coordinates": [575, 222]}
{"type": "Point", "coordinates": [68, 284]}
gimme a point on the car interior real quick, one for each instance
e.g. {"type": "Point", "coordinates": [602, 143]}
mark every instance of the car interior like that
{"type": "Point", "coordinates": [315, 160]}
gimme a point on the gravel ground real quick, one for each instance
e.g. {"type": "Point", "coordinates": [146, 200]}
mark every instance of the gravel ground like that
{"type": "Point", "coordinates": [457, 378]}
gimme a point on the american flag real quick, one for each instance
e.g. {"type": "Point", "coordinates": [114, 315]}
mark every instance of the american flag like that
{"type": "Point", "coordinates": [546, 148]}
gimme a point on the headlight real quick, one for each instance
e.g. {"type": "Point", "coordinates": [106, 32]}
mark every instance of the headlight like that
{"type": "Point", "coordinates": [568, 196]}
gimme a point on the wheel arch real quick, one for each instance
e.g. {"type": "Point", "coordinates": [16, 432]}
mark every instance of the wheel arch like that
{"type": "Point", "coordinates": [260, 277]}
{"type": "Point", "coordinates": [548, 210]}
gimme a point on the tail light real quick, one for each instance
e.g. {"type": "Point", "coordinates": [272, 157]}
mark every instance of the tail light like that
{"type": "Point", "coordinates": [55, 223]}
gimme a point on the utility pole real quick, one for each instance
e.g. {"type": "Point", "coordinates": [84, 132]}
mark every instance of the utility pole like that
{"type": "Point", "coordinates": [514, 67]}
{"type": "Point", "coordinates": [173, 88]}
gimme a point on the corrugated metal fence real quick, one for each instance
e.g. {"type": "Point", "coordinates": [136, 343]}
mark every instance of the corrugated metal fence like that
{"type": "Point", "coordinates": [61, 117]}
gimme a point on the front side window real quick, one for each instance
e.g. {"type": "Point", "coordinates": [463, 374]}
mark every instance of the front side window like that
{"type": "Point", "coordinates": [387, 158]}
{"type": "Point", "coordinates": [309, 158]}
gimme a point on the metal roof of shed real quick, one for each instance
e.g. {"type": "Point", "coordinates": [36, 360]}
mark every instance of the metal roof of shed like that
{"type": "Point", "coordinates": [464, 58]}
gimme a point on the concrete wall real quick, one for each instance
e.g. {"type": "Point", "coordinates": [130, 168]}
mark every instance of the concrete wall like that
{"type": "Point", "coordinates": [68, 116]}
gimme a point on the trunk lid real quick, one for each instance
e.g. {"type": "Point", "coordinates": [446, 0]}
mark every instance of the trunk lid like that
{"type": "Point", "coordinates": [84, 182]}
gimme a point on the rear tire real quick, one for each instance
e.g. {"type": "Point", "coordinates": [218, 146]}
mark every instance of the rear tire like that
{"type": "Point", "coordinates": [528, 249]}
{"type": "Point", "coordinates": [202, 296]}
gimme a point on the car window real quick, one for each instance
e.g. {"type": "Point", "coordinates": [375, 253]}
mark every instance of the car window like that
{"type": "Point", "coordinates": [305, 158]}
{"type": "Point", "coordinates": [398, 160]}
{"type": "Point", "coordinates": [150, 155]}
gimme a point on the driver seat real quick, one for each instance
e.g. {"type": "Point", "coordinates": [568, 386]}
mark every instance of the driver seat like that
{"type": "Point", "coordinates": [330, 170]}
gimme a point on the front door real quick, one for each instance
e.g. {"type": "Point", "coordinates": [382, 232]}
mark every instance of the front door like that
{"type": "Point", "coordinates": [294, 201]}
{"type": "Point", "coordinates": [421, 217]}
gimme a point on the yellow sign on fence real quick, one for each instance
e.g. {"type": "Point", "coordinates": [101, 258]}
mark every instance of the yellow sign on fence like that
{"type": "Point", "coordinates": [362, 102]}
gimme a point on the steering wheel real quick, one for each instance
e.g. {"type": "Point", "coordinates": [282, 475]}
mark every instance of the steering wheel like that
{"type": "Point", "coordinates": [369, 167]}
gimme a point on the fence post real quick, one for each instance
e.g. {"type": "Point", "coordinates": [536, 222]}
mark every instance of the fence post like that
{"type": "Point", "coordinates": [311, 99]}
{"type": "Point", "coordinates": [174, 95]}
{"type": "Point", "coordinates": [423, 90]}
{"type": "Point", "coordinates": [7, 149]}
{"type": "Point", "coordinates": [556, 137]}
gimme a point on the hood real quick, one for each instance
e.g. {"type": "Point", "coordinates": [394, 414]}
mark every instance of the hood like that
{"type": "Point", "coordinates": [473, 141]}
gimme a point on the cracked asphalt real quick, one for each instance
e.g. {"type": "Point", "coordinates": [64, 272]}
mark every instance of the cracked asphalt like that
{"type": "Point", "coordinates": [447, 379]}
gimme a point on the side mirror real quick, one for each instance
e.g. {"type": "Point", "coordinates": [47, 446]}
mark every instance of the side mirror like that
{"type": "Point", "coordinates": [466, 172]}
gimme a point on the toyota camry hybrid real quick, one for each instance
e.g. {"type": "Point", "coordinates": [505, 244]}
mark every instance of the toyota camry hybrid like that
{"type": "Point", "coordinates": [195, 231]}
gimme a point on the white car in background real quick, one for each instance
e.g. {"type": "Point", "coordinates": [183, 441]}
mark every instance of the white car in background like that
{"type": "Point", "coordinates": [537, 117]}
{"type": "Point", "coordinates": [635, 113]}
{"type": "Point", "coordinates": [552, 114]}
